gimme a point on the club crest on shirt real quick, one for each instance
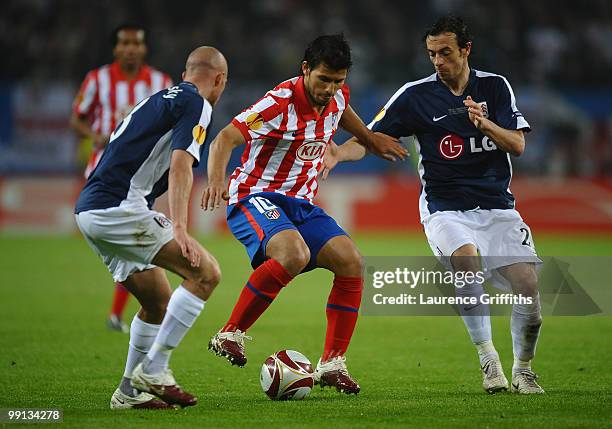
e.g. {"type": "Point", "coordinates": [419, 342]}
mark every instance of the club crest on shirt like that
{"type": "Point", "coordinates": [254, 121]}
{"type": "Point", "coordinates": [163, 221]}
{"type": "Point", "coordinates": [309, 151]}
{"type": "Point", "coordinates": [485, 108]}
{"type": "Point", "coordinates": [334, 123]}
{"type": "Point", "coordinates": [199, 134]}
{"type": "Point", "coordinates": [272, 214]}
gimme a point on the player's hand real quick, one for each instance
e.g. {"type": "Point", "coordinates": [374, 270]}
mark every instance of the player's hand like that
{"type": "Point", "coordinates": [213, 194]}
{"type": "Point", "coordinates": [100, 141]}
{"type": "Point", "coordinates": [387, 147]}
{"type": "Point", "coordinates": [475, 112]}
{"type": "Point", "coordinates": [189, 248]}
{"type": "Point", "coordinates": [330, 159]}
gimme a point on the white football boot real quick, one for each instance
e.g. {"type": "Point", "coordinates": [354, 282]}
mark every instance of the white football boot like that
{"type": "Point", "coordinates": [121, 401]}
{"type": "Point", "coordinates": [493, 378]}
{"type": "Point", "coordinates": [162, 385]}
{"type": "Point", "coordinates": [524, 382]}
{"type": "Point", "coordinates": [334, 373]}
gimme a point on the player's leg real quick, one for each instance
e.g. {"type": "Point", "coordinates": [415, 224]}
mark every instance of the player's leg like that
{"type": "Point", "coordinates": [525, 323]}
{"type": "Point", "coordinates": [477, 319]}
{"type": "Point", "coordinates": [340, 256]}
{"type": "Point", "coordinates": [183, 308]}
{"type": "Point", "coordinates": [120, 300]}
{"type": "Point", "coordinates": [451, 237]}
{"type": "Point", "coordinates": [512, 239]}
{"type": "Point", "coordinates": [277, 252]}
{"type": "Point", "coordinates": [152, 290]}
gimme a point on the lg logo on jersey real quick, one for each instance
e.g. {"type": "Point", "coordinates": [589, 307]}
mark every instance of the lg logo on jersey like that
{"type": "Point", "coordinates": [451, 146]}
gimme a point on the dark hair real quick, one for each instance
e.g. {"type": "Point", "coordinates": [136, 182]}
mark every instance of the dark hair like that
{"type": "Point", "coordinates": [332, 50]}
{"type": "Point", "coordinates": [450, 24]}
{"type": "Point", "coordinates": [114, 39]}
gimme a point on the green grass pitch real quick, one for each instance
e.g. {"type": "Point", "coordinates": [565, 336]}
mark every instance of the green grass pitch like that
{"type": "Point", "coordinates": [55, 351]}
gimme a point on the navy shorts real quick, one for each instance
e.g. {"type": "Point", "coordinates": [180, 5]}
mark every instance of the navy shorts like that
{"type": "Point", "coordinates": [257, 218]}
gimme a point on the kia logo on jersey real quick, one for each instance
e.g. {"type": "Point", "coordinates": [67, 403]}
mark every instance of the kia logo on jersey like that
{"type": "Point", "coordinates": [310, 151]}
{"type": "Point", "coordinates": [451, 146]}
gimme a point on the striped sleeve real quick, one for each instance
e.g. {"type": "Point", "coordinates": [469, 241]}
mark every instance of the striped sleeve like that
{"type": "Point", "coordinates": [85, 101]}
{"type": "Point", "coordinates": [259, 120]}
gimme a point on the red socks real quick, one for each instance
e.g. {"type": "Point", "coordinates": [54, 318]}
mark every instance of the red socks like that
{"type": "Point", "coordinates": [342, 311]}
{"type": "Point", "coordinates": [260, 290]}
{"type": "Point", "coordinates": [120, 300]}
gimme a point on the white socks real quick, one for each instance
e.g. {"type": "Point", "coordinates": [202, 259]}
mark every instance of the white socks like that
{"type": "Point", "coordinates": [476, 317]}
{"type": "Point", "coordinates": [142, 335]}
{"type": "Point", "coordinates": [183, 309]}
{"type": "Point", "coordinates": [525, 327]}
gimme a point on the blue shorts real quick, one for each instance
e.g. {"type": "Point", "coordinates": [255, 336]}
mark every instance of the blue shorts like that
{"type": "Point", "coordinates": [257, 218]}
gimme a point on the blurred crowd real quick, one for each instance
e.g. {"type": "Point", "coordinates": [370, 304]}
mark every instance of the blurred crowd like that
{"type": "Point", "coordinates": [565, 43]}
{"type": "Point", "coordinates": [557, 55]}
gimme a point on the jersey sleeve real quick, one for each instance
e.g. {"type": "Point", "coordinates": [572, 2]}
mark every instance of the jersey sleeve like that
{"type": "Point", "coordinates": [395, 118]}
{"type": "Point", "coordinates": [259, 120]}
{"type": "Point", "coordinates": [507, 114]}
{"type": "Point", "coordinates": [193, 115]}
{"type": "Point", "coordinates": [85, 101]}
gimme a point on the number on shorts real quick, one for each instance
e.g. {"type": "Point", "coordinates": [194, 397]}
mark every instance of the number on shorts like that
{"type": "Point", "coordinates": [262, 204]}
{"type": "Point", "coordinates": [526, 239]}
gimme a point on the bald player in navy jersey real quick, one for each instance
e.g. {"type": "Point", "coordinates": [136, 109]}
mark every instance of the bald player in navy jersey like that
{"type": "Point", "coordinates": [467, 124]}
{"type": "Point", "coordinates": [153, 150]}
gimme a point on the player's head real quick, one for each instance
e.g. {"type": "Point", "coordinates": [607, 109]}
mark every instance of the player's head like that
{"type": "Point", "coordinates": [206, 68]}
{"type": "Point", "coordinates": [129, 45]}
{"type": "Point", "coordinates": [325, 65]}
{"type": "Point", "coordinates": [448, 44]}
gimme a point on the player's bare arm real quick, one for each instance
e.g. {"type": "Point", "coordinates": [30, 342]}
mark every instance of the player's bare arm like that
{"type": "Point", "coordinates": [180, 180]}
{"type": "Point", "coordinates": [220, 151]}
{"type": "Point", "coordinates": [381, 145]}
{"type": "Point", "coordinates": [82, 127]}
{"type": "Point", "coordinates": [351, 150]}
{"type": "Point", "coordinates": [511, 141]}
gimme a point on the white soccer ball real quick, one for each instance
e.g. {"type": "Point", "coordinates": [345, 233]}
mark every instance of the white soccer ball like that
{"type": "Point", "coordinates": [286, 375]}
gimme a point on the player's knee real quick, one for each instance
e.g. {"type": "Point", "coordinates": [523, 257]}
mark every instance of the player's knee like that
{"type": "Point", "coordinates": [466, 259]}
{"type": "Point", "coordinates": [296, 257]}
{"type": "Point", "coordinates": [350, 264]}
{"type": "Point", "coordinates": [209, 275]}
{"type": "Point", "coordinates": [525, 282]}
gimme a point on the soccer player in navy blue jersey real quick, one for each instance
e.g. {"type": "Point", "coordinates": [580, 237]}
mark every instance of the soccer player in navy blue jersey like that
{"type": "Point", "coordinates": [467, 124]}
{"type": "Point", "coordinates": [153, 150]}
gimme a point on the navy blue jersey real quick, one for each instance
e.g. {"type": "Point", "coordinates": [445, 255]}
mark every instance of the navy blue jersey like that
{"type": "Point", "coordinates": [134, 167]}
{"type": "Point", "coordinates": [460, 168]}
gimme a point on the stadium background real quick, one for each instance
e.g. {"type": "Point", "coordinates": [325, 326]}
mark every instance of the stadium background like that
{"type": "Point", "coordinates": [54, 292]}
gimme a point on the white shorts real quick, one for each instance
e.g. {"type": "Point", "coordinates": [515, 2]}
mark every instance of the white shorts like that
{"type": "Point", "coordinates": [127, 239]}
{"type": "Point", "coordinates": [501, 237]}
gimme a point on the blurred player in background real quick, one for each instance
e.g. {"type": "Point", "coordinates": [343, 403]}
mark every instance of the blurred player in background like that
{"type": "Point", "coordinates": [107, 94]}
{"type": "Point", "coordinates": [270, 201]}
{"type": "Point", "coordinates": [467, 125]}
{"type": "Point", "coordinates": [153, 150]}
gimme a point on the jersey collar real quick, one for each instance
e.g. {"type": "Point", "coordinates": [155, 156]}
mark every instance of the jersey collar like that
{"type": "Point", "coordinates": [471, 80]}
{"type": "Point", "coordinates": [115, 69]}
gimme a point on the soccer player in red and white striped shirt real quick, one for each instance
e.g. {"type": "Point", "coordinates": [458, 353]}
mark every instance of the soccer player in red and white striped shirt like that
{"type": "Point", "coordinates": [106, 96]}
{"type": "Point", "coordinates": [270, 195]}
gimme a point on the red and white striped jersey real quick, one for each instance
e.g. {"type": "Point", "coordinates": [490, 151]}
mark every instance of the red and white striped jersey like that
{"type": "Point", "coordinates": [107, 96]}
{"type": "Point", "coordinates": [286, 140]}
